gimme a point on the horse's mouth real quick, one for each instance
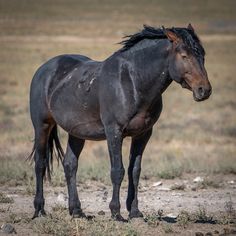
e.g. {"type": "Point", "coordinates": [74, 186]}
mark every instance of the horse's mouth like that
{"type": "Point", "coordinates": [184, 84]}
{"type": "Point", "coordinates": [199, 99]}
{"type": "Point", "coordinates": [196, 97]}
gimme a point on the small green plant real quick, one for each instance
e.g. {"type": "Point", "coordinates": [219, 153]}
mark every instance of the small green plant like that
{"type": "Point", "coordinates": [201, 216]}
{"type": "Point", "coordinates": [229, 216]}
{"type": "Point", "coordinates": [154, 219]}
{"type": "Point", "coordinates": [183, 219]}
{"type": "Point", "coordinates": [5, 199]}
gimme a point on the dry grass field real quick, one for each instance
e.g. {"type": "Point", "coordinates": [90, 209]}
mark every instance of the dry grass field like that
{"type": "Point", "coordinates": [190, 139]}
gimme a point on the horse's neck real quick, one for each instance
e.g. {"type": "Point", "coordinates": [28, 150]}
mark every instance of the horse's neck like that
{"type": "Point", "coordinates": [150, 60]}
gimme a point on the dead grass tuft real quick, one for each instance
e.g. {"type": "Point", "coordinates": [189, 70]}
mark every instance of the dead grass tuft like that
{"type": "Point", "coordinates": [208, 183]}
{"type": "Point", "coordinates": [181, 187]}
{"type": "Point", "coordinates": [54, 226]}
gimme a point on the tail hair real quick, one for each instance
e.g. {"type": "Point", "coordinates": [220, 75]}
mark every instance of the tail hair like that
{"type": "Point", "coordinates": [53, 143]}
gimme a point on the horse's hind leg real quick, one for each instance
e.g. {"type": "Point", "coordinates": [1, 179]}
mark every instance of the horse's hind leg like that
{"type": "Point", "coordinates": [42, 131]}
{"type": "Point", "coordinates": [70, 163]}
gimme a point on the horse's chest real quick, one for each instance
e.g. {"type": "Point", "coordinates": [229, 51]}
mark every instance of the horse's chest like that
{"type": "Point", "coordinates": [144, 119]}
{"type": "Point", "coordinates": [140, 123]}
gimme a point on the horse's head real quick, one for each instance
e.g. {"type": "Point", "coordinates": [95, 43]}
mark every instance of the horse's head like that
{"type": "Point", "coordinates": [186, 62]}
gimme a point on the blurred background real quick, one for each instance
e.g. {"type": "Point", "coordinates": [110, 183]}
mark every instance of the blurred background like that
{"type": "Point", "coordinates": [189, 137]}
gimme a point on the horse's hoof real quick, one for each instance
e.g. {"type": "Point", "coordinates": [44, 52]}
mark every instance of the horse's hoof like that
{"type": "Point", "coordinates": [34, 216]}
{"type": "Point", "coordinates": [78, 215]}
{"type": "Point", "coordinates": [40, 213]}
{"type": "Point", "coordinates": [135, 214]}
{"type": "Point", "coordinates": [118, 217]}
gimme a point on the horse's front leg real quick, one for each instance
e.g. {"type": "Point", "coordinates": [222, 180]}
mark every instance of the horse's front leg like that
{"type": "Point", "coordinates": [137, 147]}
{"type": "Point", "coordinates": [114, 140]}
{"type": "Point", "coordinates": [70, 163]}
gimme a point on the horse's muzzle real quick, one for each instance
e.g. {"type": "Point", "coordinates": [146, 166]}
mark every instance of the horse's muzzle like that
{"type": "Point", "coordinates": [201, 93]}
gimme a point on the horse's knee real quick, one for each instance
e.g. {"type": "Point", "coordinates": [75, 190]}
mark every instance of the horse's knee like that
{"type": "Point", "coordinates": [117, 175]}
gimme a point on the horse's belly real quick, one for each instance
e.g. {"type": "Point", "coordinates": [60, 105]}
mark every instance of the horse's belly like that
{"type": "Point", "coordinates": [91, 130]}
{"type": "Point", "coordinates": [84, 125]}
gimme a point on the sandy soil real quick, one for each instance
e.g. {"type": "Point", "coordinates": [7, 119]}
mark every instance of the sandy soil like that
{"type": "Point", "coordinates": [153, 196]}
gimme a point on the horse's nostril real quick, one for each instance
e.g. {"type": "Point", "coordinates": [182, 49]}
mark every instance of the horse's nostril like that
{"type": "Point", "coordinates": [201, 91]}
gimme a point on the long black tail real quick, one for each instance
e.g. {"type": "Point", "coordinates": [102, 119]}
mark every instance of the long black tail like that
{"type": "Point", "coordinates": [53, 141]}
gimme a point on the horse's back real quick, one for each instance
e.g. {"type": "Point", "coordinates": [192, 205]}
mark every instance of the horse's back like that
{"type": "Point", "coordinates": [55, 68]}
{"type": "Point", "coordinates": [47, 77]}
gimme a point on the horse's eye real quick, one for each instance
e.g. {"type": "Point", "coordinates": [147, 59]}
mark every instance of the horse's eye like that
{"type": "Point", "coordinates": [184, 56]}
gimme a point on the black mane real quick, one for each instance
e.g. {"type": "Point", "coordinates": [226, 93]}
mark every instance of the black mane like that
{"type": "Point", "coordinates": [188, 36]}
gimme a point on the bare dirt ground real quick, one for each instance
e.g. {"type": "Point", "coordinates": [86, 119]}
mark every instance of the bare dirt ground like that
{"type": "Point", "coordinates": [166, 199]}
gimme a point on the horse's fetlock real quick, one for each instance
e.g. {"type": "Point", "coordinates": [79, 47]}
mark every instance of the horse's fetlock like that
{"type": "Point", "coordinates": [39, 204]}
{"type": "Point", "coordinates": [114, 206]}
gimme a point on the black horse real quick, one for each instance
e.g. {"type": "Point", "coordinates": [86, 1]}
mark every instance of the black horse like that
{"type": "Point", "coordinates": [112, 99]}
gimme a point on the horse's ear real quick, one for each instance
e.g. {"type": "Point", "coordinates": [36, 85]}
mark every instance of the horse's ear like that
{"type": "Point", "coordinates": [171, 35]}
{"type": "Point", "coordinates": [190, 27]}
